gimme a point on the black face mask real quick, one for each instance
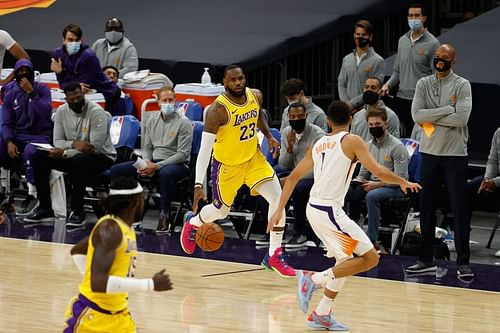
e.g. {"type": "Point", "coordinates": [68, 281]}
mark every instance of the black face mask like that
{"type": "Point", "coordinates": [298, 125]}
{"type": "Point", "coordinates": [370, 97]}
{"type": "Point", "coordinates": [362, 42]}
{"type": "Point", "coordinates": [77, 107]}
{"type": "Point", "coordinates": [377, 132]}
{"type": "Point", "coordinates": [446, 64]}
{"type": "Point", "coordinates": [29, 76]}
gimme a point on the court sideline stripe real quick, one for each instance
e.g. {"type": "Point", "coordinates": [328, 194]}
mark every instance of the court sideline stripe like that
{"type": "Point", "coordinates": [234, 272]}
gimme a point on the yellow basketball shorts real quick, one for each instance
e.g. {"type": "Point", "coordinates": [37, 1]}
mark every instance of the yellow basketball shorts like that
{"type": "Point", "coordinates": [83, 316]}
{"type": "Point", "coordinates": [227, 179]}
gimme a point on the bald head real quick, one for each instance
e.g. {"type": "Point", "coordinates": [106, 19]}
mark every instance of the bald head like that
{"type": "Point", "coordinates": [446, 49]}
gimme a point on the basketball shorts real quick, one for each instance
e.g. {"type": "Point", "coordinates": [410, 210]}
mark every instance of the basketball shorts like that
{"type": "Point", "coordinates": [341, 235]}
{"type": "Point", "coordinates": [83, 316]}
{"type": "Point", "coordinates": [227, 179]}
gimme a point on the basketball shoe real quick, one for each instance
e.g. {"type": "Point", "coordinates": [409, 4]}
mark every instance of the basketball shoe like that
{"type": "Point", "coordinates": [277, 263]}
{"type": "Point", "coordinates": [326, 321]}
{"type": "Point", "coordinates": [188, 242]}
{"type": "Point", "coordinates": [305, 289]}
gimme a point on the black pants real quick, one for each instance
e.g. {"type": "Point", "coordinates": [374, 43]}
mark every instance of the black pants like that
{"type": "Point", "coordinates": [402, 107]}
{"type": "Point", "coordinates": [453, 171]}
{"type": "Point", "coordinates": [82, 168]}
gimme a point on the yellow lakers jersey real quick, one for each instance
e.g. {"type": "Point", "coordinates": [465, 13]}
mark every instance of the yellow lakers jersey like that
{"type": "Point", "coordinates": [236, 141]}
{"type": "Point", "coordinates": [123, 266]}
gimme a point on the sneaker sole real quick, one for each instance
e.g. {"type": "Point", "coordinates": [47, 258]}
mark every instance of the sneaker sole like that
{"type": "Point", "coordinates": [47, 219]}
{"type": "Point", "coordinates": [282, 275]}
{"type": "Point", "coordinates": [424, 270]}
{"type": "Point", "coordinates": [333, 329]}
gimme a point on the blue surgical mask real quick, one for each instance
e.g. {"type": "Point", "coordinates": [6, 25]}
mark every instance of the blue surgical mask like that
{"type": "Point", "coordinates": [415, 24]}
{"type": "Point", "coordinates": [73, 47]}
{"type": "Point", "coordinates": [167, 109]}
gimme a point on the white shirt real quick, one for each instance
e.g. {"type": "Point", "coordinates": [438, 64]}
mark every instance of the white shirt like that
{"type": "Point", "coordinates": [6, 42]}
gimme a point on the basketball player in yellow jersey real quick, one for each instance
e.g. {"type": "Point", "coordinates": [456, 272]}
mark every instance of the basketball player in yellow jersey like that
{"type": "Point", "coordinates": [231, 125]}
{"type": "Point", "coordinates": [107, 263]}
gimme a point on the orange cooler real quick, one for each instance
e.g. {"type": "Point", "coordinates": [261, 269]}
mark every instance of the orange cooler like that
{"type": "Point", "coordinates": [203, 94]}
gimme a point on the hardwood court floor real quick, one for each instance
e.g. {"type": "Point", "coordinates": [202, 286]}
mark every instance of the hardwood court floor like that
{"type": "Point", "coordinates": [38, 279]}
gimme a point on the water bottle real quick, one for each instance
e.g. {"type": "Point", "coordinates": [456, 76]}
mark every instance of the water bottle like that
{"type": "Point", "coordinates": [206, 80]}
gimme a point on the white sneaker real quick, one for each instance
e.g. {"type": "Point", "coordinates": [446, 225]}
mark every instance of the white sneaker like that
{"type": "Point", "coordinates": [497, 254]}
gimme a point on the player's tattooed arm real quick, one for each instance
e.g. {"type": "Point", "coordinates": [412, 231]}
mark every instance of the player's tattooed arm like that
{"type": "Point", "coordinates": [217, 115]}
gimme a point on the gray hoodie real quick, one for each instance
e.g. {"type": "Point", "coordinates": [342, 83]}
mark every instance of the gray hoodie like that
{"type": "Point", "coordinates": [447, 104]}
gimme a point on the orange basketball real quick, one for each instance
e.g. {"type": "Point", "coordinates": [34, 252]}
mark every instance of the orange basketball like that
{"type": "Point", "coordinates": [209, 237]}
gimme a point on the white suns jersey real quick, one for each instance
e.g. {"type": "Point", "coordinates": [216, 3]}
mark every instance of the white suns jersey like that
{"type": "Point", "coordinates": [332, 171]}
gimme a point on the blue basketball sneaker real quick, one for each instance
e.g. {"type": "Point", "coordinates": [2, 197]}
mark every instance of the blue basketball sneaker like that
{"type": "Point", "coordinates": [305, 289]}
{"type": "Point", "coordinates": [326, 322]}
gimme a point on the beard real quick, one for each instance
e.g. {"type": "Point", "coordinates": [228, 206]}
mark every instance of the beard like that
{"type": "Point", "coordinates": [236, 94]}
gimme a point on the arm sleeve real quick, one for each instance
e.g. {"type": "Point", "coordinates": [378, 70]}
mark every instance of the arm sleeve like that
{"type": "Point", "coordinates": [59, 135]}
{"type": "Point", "coordinates": [394, 79]}
{"type": "Point", "coordinates": [342, 83]}
{"type": "Point", "coordinates": [88, 69]}
{"type": "Point", "coordinates": [463, 108]}
{"type": "Point", "coordinates": [6, 40]}
{"type": "Point", "coordinates": [41, 104]}
{"type": "Point", "coordinates": [99, 131]}
{"type": "Point", "coordinates": [400, 160]}
{"type": "Point", "coordinates": [147, 152]}
{"type": "Point", "coordinates": [8, 120]}
{"type": "Point", "coordinates": [184, 142]}
{"type": "Point", "coordinates": [207, 143]}
{"type": "Point", "coordinates": [130, 61]}
{"type": "Point", "coordinates": [285, 159]}
{"type": "Point", "coordinates": [493, 164]}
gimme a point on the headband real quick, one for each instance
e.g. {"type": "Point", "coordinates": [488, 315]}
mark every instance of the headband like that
{"type": "Point", "coordinates": [136, 190]}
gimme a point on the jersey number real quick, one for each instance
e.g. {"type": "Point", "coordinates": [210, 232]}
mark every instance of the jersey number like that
{"type": "Point", "coordinates": [247, 132]}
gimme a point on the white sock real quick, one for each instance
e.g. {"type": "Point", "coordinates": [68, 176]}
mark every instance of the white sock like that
{"type": "Point", "coordinates": [32, 189]}
{"type": "Point", "coordinates": [325, 306]}
{"type": "Point", "coordinates": [321, 278]}
{"type": "Point", "coordinates": [275, 239]}
{"type": "Point", "coordinates": [209, 213]}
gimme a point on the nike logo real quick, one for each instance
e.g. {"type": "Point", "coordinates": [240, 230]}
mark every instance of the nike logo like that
{"type": "Point", "coordinates": [304, 287]}
{"type": "Point", "coordinates": [16, 107]}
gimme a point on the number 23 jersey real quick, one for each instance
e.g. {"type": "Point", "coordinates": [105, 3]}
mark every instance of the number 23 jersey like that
{"type": "Point", "coordinates": [236, 141]}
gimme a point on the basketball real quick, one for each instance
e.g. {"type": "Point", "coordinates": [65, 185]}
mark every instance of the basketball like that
{"type": "Point", "coordinates": [210, 237]}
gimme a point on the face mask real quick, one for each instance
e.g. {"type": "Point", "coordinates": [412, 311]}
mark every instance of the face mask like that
{"type": "Point", "coordinates": [167, 109]}
{"type": "Point", "coordinates": [370, 97]}
{"type": "Point", "coordinates": [73, 47]}
{"type": "Point", "coordinates": [114, 36]}
{"type": "Point", "coordinates": [377, 132]}
{"type": "Point", "coordinates": [77, 107]}
{"type": "Point", "coordinates": [442, 65]}
{"type": "Point", "coordinates": [362, 42]}
{"type": "Point", "coordinates": [30, 76]}
{"type": "Point", "coordinates": [298, 125]}
{"type": "Point", "coordinates": [415, 25]}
